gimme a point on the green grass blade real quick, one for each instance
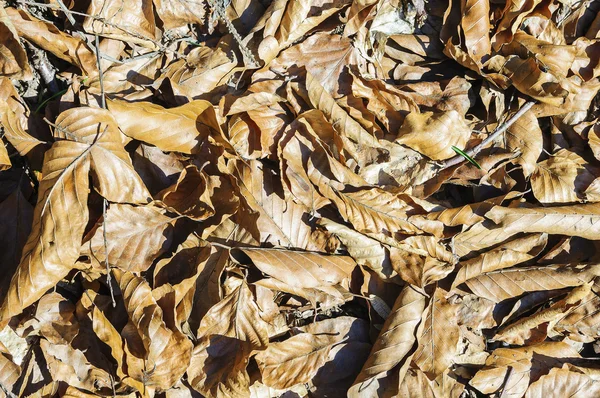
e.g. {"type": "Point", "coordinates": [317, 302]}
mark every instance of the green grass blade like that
{"type": "Point", "coordinates": [464, 155]}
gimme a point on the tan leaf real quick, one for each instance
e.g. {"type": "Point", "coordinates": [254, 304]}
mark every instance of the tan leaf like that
{"type": "Point", "coordinates": [132, 22]}
{"type": "Point", "coordinates": [181, 271]}
{"type": "Point", "coordinates": [5, 162]}
{"type": "Point", "coordinates": [536, 328]}
{"type": "Point", "coordinates": [358, 142]}
{"type": "Point", "coordinates": [438, 342]}
{"type": "Point", "coordinates": [70, 365]}
{"type": "Point", "coordinates": [9, 371]}
{"type": "Point", "coordinates": [176, 13]}
{"type": "Point", "coordinates": [564, 383]}
{"type": "Point", "coordinates": [513, 368]}
{"type": "Point", "coordinates": [135, 236]}
{"type": "Point", "coordinates": [468, 214]}
{"type": "Point", "coordinates": [107, 333]}
{"type": "Point", "coordinates": [303, 269]}
{"type": "Point", "coordinates": [433, 134]}
{"type": "Point", "coordinates": [190, 196]}
{"type": "Point", "coordinates": [577, 220]}
{"type": "Point", "coordinates": [582, 322]}
{"type": "Point", "coordinates": [363, 249]}
{"type": "Point", "coordinates": [280, 220]}
{"type": "Point", "coordinates": [284, 24]}
{"type": "Point", "coordinates": [375, 211]}
{"type": "Point", "coordinates": [467, 25]}
{"type": "Point", "coordinates": [561, 179]}
{"type": "Point", "coordinates": [504, 284]}
{"type": "Point", "coordinates": [525, 138]}
{"type": "Point", "coordinates": [299, 358]}
{"type": "Point", "coordinates": [322, 54]}
{"type": "Point", "coordinates": [204, 71]}
{"type": "Point", "coordinates": [508, 254]}
{"type": "Point", "coordinates": [47, 36]}
{"type": "Point", "coordinates": [295, 360]}
{"type": "Point", "coordinates": [229, 333]}
{"type": "Point", "coordinates": [13, 58]}
{"type": "Point", "coordinates": [59, 221]}
{"type": "Point", "coordinates": [396, 340]}
{"type": "Point", "coordinates": [113, 172]}
{"type": "Point", "coordinates": [180, 129]}
{"type": "Point", "coordinates": [167, 350]}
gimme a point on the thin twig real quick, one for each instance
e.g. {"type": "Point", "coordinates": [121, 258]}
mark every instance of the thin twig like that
{"type": "Point", "coordinates": [497, 132]}
{"type": "Point", "coordinates": [219, 9]}
{"type": "Point", "coordinates": [100, 74]}
{"type": "Point", "coordinates": [104, 202]}
{"type": "Point", "coordinates": [108, 276]}
{"type": "Point", "coordinates": [67, 13]}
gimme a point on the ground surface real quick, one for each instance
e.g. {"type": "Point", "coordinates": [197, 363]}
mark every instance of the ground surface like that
{"type": "Point", "coordinates": [299, 198]}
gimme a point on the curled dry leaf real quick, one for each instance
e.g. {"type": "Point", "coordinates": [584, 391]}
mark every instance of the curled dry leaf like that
{"type": "Point", "coordinates": [190, 196]}
{"type": "Point", "coordinates": [48, 37]}
{"type": "Point", "coordinates": [512, 368]}
{"type": "Point", "coordinates": [13, 62]}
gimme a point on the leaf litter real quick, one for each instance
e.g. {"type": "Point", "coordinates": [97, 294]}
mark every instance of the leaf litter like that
{"type": "Point", "coordinates": [299, 198]}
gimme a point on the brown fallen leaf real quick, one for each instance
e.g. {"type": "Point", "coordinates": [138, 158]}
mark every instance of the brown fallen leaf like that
{"type": "Point", "coordinates": [180, 129]}
{"type": "Point", "coordinates": [48, 37]}
{"type": "Point", "coordinates": [135, 237]}
{"type": "Point", "coordinates": [396, 341]}
{"type": "Point", "coordinates": [13, 62]}
{"type": "Point", "coordinates": [190, 196]}
{"type": "Point", "coordinates": [577, 220]}
{"type": "Point", "coordinates": [434, 134]}
{"type": "Point", "coordinates": [229, 334]}
{"type": "Point", "coordinates": [561, 179]}
{"type": "Point", "coordinates": [166, 349]}
{"type": "Point", "coordinates": [564, 382]}
{"type": "Point", "coordinates": [439, 339]}
{"type": "Point", "coordinates": [512, 282]}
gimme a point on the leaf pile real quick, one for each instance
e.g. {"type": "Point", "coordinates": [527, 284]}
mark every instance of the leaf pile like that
{"type": "Point", "coordinates": [299, 198]}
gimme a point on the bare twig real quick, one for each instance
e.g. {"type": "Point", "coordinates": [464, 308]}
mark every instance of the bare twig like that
{"type": "Point", "coordinates": [104, 202]}
{"type": "Point", "coordinates": [100, 74]}
{"type": "Point", "coordinates": [7, 392]}
{"type": "Point", "coordinates": [497, 132]}
{"type": "Point", "coordinates": [44, 67]}
{"type": "Point", "coordinates": [219, 9]}
{"type": "Point", "coordinates": [67, 13]}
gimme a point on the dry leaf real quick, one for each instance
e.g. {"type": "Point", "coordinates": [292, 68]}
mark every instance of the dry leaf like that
{"type": "Point", "coordinates": [434, 134]}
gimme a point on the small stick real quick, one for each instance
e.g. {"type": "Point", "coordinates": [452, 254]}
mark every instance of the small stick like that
{"type": "Point", "coordinates": [499, 130]}
{"type": "Point", "coordinates": [219, 8]}
{"type": "Point", "coordinates": [105, 202]}
{"type": "Point", "coordinates": [100, 74]}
